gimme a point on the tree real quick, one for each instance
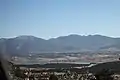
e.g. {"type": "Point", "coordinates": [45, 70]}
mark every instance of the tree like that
{"type": "Point", "coordinates": [53, 77]}
{"type": "Point", "coordinates": [18, 72]}
{"type": "Point", "coordinates": [105, 74]}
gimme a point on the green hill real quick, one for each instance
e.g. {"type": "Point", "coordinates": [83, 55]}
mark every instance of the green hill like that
{"type": "Point", "coordinates": [114, 66]}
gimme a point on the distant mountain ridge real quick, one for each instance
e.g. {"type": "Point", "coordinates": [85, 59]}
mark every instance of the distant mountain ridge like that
{"type": "Point", "coordinates": [72, 43]}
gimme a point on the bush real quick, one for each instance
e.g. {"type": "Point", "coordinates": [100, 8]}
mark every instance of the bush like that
{"type": "Point", "coordinates": [105, 74]}
{"type": "Point", "coordinates": [53, 77]}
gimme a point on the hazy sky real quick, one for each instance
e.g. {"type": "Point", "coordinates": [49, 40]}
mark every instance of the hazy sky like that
{"type": "Point", "coordinates": [52, 18]}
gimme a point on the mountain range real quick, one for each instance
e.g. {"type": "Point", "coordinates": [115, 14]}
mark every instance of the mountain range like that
{"type": "Point", "coordinates": [71, 43]}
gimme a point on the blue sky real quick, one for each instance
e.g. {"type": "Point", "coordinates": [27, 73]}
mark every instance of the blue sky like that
{"type": "Point", "coordinates": [53, 18]}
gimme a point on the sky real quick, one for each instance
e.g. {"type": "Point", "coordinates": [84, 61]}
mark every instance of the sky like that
{"type": "Point", "coordinates": [52, 18]}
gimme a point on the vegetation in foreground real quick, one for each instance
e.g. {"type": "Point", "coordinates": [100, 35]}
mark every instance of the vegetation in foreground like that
{"type": "Point", "coordinates": [18, 74]}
